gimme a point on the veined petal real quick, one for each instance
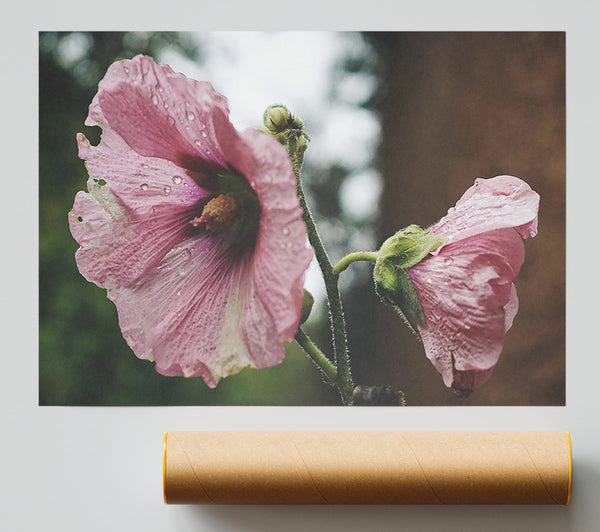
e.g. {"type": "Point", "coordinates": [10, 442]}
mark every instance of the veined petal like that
{"type": "Point", "coordinates": [117, 244]}
{"type": "Point", "coordinates": [469, 301]}
{"type": "Point", "coordinates": [139, 183]}
{"type": "Point", "coordinates": [160, 113]}
{"type": "Point", "coordinates": [176, 312]}
{"type": "Point", "coordinates": [495, 203]}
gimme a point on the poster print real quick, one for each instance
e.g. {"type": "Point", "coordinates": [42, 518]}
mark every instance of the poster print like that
{"type": "Point", "coordinates": [389, 231]}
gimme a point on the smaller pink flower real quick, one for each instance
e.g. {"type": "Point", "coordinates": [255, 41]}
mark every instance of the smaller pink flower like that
{"type": "Point", "coordinates": [466, 286]}
{"type": "Point", "coordinates": [194, 229]}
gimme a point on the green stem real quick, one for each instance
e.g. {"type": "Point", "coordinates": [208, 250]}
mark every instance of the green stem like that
{"type": "Point", "coordinates": [318, 358]}
{"type": "Point", "coordinates": [369, 256]}
{"type": "Point", "coordinates": [336, 312]}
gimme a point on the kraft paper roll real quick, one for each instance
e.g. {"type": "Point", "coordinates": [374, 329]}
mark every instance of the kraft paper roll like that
{"type": "Point", "coordinates": [367, 467]}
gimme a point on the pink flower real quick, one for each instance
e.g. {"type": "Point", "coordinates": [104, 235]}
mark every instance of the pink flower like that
{"type": "Point", "coordinates": [194, 229]}
{"type": "Point", "coordinates": [466, 286]}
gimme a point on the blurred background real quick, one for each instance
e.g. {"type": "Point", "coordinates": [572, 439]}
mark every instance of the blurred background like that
{"type": "Point", "coordinates": [400, 125]}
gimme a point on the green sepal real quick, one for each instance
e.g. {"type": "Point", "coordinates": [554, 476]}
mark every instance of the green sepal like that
{"type": "Point", "coordinates": [409, 246]}
{"type": "Point", "coordinates": [394, 287]}
{"type": "Point", "coordinates": [401, 251]}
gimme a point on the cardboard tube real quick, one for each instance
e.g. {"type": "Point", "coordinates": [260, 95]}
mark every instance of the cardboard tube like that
{"type": "Point", "coordinates": [367, 467]}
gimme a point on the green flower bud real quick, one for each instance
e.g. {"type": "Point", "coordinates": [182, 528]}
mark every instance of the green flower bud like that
{"type": "Point", "coordinates": [286, 129]}
{"type": "Point", "coordinates": [277, 119]}
{"type": "Point", "coordinates": [307, 305]}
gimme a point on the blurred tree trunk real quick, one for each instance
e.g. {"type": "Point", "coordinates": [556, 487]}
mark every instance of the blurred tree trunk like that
{"type": "Point", "coordinates": [456, 106]}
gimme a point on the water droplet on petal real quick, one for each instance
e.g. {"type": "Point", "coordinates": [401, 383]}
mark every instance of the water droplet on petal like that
{"type": "Point", "coordinates": [447, 261]}
{"type": "Point", "coordinates": [191, 115]}
{"type": "Point", "coordinates": [167, 190]}
{"type": "Point", "coordinates": [171, 120]}
{"type": "Point", "coordinates": [187, 255]}
{"type": "Point", "coordinates": [204, 134]}
{"type": "Point", "coordinates": [198, 142]}
{"type": "Point", "coordinates": [155, 99]}
{"type": "Point", "coordinates": [166, 105]}
{"type": "Point", "coordinates": [177, 179]}
{"type": "Point", "coordinates": [285, 231]}
{"type": "Point", "coordinates": [178, 293]}
{"type": "Point", "coordinates": [145, 166]}
{"type": "Point", "coordinates": [144, 186]}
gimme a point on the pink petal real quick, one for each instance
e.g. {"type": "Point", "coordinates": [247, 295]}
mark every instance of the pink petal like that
{"type": "Point", "coordinates": [138, 183]}
{"type": "Point", "coordinates": [282, 255]}
{"type": "Point", "coordinates": [495, 203]}
{"type": "Point", "coordinates": [464, 290]}
{"type": "Point", "coordinates": [511, 309]}
{"type": "Point", "coordinates": [176, 313]}
{"type": "Point", "coordinates": [199, 314]}
{"type": "Point", "coordinates": [159, 113]}
{"type": "Point", "coordinates": [118, 245]}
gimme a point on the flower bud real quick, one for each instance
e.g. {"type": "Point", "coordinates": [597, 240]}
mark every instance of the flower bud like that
{"type": "Point", "coordinates": [307, 305]}
{"type": "Point", "coordinates": [277, 119]}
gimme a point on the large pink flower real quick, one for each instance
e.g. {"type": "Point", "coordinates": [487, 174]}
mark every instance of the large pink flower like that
{"type": "Point", "coordinates": [194, 229]}
{"type": "Point", "coordinates": [466, 286]}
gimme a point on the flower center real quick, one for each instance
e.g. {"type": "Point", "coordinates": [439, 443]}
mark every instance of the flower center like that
{"type": "Point", "coordinates": [219, 214]}
{"type": "Point", "coordinates": [234, 208]}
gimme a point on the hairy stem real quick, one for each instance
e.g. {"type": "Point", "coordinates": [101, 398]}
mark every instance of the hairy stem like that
{"type": "Point", "coordinates": [369, 256]}
{"type": "Point", "coordinates": [317, 357]}
{"type": "Point", "coordinates": [336, 312]}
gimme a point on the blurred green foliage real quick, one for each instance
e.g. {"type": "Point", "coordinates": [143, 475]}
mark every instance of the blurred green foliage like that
{"type": "Point", "coordinates": [83, 359]}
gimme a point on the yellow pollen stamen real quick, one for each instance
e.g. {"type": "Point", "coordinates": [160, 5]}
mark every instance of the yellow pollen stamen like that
{"type": "Point", "coordinates": [219, 214]}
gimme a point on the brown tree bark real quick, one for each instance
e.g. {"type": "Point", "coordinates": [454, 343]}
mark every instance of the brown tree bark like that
{"type": "Point", "coordinates": [456, 106]}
